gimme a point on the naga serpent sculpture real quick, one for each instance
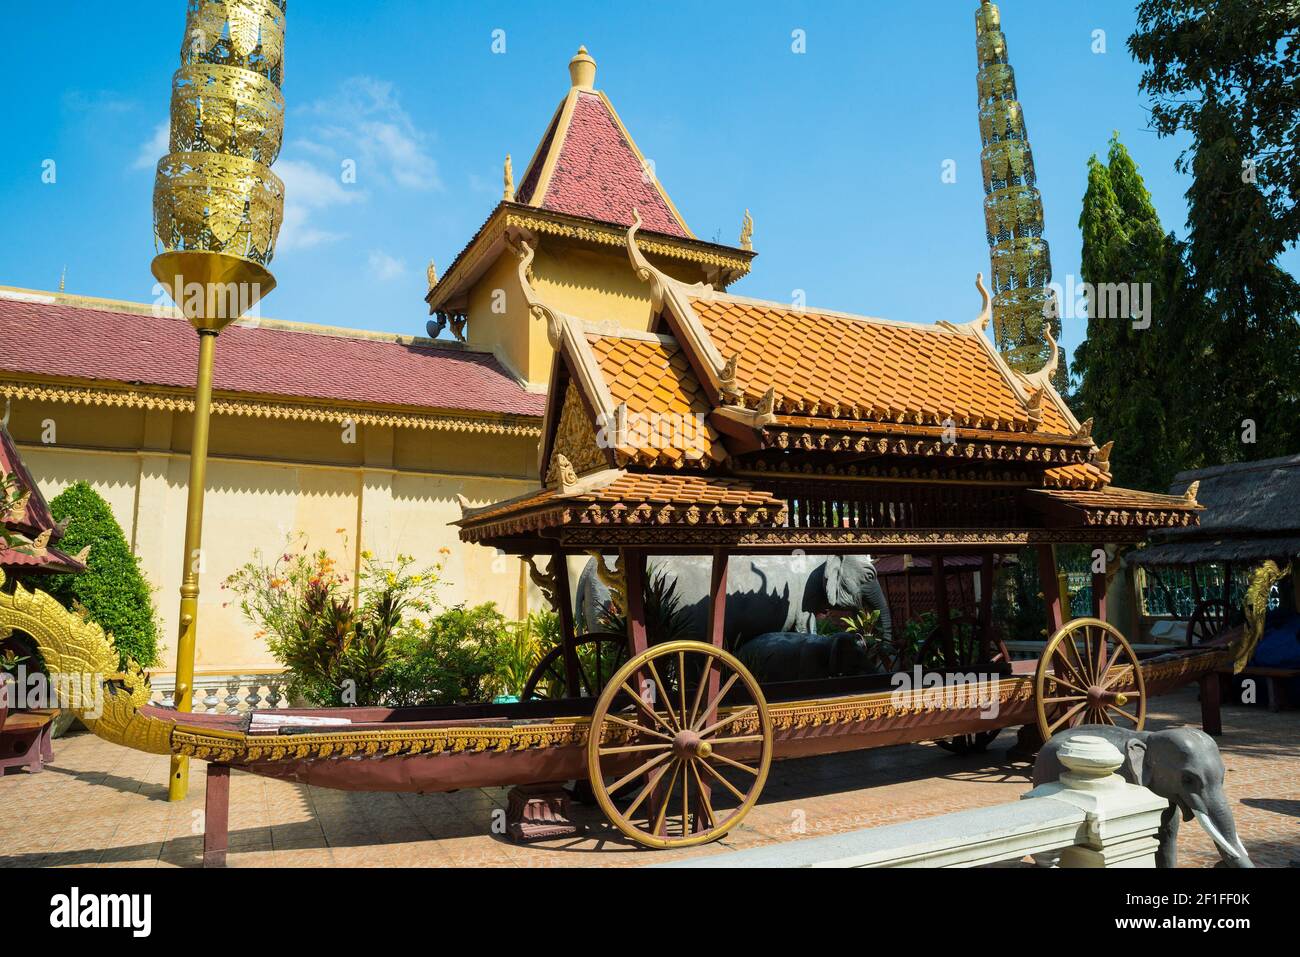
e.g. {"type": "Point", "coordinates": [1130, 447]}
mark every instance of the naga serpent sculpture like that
{"type": "Point", "coordinates": [85, 670]}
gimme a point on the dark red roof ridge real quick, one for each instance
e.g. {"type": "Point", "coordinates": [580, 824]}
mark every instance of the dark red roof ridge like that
{"type": "Point", "coordinates": [50, 334]}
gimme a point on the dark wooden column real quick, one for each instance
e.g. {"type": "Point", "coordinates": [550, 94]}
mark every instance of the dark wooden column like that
{"type": "Point", "coordinates": [1099, 587]}
{"type": "Point", "coordinates": [1212, 704]}
{"type": "Point", "coordinates": [986, 604]}
{"type": "Point", "coordinates": [634, 580]}
{"type": "Point", "coordinates": [717, 636]}
{"type": "Point", "coordinates": [568, 632]}
{"type": "Point", "coordinates": [941, 608]}
{"type": "Point", "coordinates": [216, 816]}
{"type": "Point", "coordinates": [1051, 588]}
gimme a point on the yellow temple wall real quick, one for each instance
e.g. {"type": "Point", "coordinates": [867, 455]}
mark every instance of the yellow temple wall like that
{"type": "Point", "coordinates": [392, 491]}
{"type": "Point", "coordinates": [594, 284]}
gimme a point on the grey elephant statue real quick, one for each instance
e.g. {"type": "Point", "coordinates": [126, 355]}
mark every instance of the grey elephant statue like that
{"type": "Point", "coordinates": [797, 656]}
{"type": "Point", "coordinates": [779, 593]}
{"type": "Point", "coordinates": [1182, 765]}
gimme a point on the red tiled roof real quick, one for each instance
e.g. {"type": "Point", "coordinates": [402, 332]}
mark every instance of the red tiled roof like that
{"type": "Point", "coordinates": [598, 174]}
{"type": "Point", "coordinates": [88, 343]}
{"type": "Point", "coordinates": [28, 523]}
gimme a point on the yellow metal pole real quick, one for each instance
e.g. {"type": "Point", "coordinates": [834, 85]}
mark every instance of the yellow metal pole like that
{"type": "Point", "coordinates": [193, 563]}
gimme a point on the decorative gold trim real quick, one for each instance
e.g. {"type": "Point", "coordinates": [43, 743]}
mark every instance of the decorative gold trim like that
{"type": "Point", "coordinates": [128, 398]}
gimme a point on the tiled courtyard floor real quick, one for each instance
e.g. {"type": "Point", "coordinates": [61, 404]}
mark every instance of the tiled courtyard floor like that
{"type": "Point", "coordinates": [101, 804]}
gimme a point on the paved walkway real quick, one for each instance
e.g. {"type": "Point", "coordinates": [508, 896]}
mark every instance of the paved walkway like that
{"type": "Point", "coordinates": [101, 804]}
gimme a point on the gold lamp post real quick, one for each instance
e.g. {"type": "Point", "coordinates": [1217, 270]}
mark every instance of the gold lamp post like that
{"type": "Point", "coordinates": [217, 212]}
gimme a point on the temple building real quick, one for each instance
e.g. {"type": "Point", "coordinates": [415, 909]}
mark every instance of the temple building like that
{"type": "Point", "coordinates": [360, 441]}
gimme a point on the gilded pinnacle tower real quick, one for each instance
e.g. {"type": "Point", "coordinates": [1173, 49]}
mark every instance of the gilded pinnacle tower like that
{"type": "Point", "coordinates": [1013, 210]}
{"type": "Point", "coordinates": [217, 212]}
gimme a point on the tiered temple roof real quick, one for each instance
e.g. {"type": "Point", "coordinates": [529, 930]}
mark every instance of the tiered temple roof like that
{"type": "Point", "coordinates": [816, 428]}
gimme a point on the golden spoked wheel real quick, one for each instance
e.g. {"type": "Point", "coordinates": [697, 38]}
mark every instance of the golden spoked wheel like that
{"type": "Point", "coordinates": [669, 763]}
{"type": "Point", "coordinates": [1088, 674]}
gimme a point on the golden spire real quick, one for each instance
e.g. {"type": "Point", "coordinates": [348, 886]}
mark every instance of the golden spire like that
{"type": "Point", "coordinates": [582, 70]}
{"type": "Point", "coordinates": [432, 274]}
{"type": "Point", "coordinates": [510, 181]}
{"type": "Point", "coordinates": [63, 279]}
{"type": "Point", "coordinates": [1013, 209]}
{"type": "Point", "coordinates": [217, 205]}
{"type": "Point", "coordinates": [747, 232]}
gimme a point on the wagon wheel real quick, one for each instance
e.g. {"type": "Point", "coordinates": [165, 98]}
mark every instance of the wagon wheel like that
{"type": "Point", "coordinates": [969, 654]}
{"type": "Point", "coordinates": [599, 655]}
{"type": "Point", "coordinates": [695, 768]}
{"type": "Point", "coordinates": [1088, 674]}
{"type": "Point", "coordinates": [1208, 621]}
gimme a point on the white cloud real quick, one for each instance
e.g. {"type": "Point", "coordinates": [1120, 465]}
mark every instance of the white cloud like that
{"type": "Point", "coordinates": [365, 122]}
{"type": "Point", "coordinates": [350, 145]}
{"type": "Point", "coordinates": [386, 268]}
{"type": "Point", "coordinates": [309, 190]}
{"type": "Point", "coordinates": [154, 148]}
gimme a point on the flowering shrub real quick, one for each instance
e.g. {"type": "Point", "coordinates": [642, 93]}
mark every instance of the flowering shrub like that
{"type": "Point", "coordinates": [336, 639]}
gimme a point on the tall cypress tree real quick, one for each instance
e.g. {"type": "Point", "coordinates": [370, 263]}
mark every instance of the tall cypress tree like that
{"type": "Point", "coordinates": [1128, 369]}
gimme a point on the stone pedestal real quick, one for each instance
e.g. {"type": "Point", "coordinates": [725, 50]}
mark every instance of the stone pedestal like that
{"type": "Point", "coordinates": [540, 811]}
{"type": "Point", "coordinates": [1122, 819]}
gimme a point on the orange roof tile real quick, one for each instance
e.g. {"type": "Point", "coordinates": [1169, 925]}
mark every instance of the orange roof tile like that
{"type": "Point", "coordinates": [667, 408]}
{"type": "Point", "coordinates": [837, 365]}
{"type": "Point", "coordinates": [681, 498]}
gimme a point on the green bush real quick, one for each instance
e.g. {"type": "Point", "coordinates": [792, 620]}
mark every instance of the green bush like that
{"type": "Point", "coordinates": [112, 589]}
{"type": "Point", "coordinates": [456, 661]}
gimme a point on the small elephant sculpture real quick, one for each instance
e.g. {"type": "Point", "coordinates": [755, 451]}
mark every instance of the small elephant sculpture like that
{"type": "Point", "coordinates": [797, 656]}
{"type": "Point", "coordinates": [1182, 765]}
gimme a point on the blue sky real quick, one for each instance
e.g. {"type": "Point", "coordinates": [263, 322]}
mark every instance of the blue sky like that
{"type": "Point", "coordinates": [838, 152]}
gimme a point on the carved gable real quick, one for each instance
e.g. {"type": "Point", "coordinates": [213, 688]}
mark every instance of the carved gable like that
{"type": "Point", "coordinates": [575, 438]}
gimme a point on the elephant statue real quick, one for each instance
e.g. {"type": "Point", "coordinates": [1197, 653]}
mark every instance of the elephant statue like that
{"type": "Point", "coordinates": [797, 655]}
{"type": "Point", "coordinates": [778, 593]}
{"type": "Point", "coordinates": [1182, 765]}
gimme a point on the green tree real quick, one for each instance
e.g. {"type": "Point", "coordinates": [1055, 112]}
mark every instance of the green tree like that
{"type": "Point", "coordinates": [112, 589]}
{"type": "Point", "coordinates": [1227, 74]}
{"type": "Point", "coordinates": [1128, 370]}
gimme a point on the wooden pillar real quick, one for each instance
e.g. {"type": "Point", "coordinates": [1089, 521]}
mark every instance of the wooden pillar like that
{"type": "Point", "coordinates": [1051, 588]}
{"type": "Point", "coordinates": [718, 599]}
{"type": "Point", "coordinates": [1099, 586]}
{"type": "Point", "coordinates": [907, 585]}
{"type": "Point", "coordinates": [216, 816]}
{"type": "Point", "coordinates": [941, 609]}
{"type": "Point", "coordinates": [986, 604]}
{"type": "Point", "coordinates": [717, 636]}
{"type": "Point", "coordinates": [1212, 704]}
{"type": "Point", "coordinates": [568, 632]}
{"type": "Point", "coordinates": [634, 577]}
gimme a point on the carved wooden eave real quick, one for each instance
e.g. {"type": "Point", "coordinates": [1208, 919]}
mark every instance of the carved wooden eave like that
{"type": "Point", "coordinates": [512, 222]}
{"type": "Point", "coordinates": [716, 373]}
{"type": "Point", "coordinates": [872, 440]}
{"type": "Point", "coordinates": [1023, 385]}
{"type": "Point", "coordinates": [591, 482]}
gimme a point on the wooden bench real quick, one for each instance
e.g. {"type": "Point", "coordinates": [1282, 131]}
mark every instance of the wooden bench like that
{"type": "Point", "coordinates": [25, 736]}
{"type": "Point", "coordinates": [1275, 680]}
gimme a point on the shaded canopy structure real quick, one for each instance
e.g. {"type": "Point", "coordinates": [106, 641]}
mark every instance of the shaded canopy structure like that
{"type": "Point", "coordinates": [1252, 514]}
{"type": "Point", "coordinates": [755, 426]}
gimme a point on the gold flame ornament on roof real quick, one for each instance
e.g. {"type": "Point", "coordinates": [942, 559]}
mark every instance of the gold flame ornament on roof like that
{"type": "Point", "coordinates": [215, 191]}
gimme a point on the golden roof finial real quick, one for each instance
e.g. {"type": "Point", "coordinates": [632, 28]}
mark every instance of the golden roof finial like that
{"type": "Point", "coordinates": [582, 70]}
{"type": "Point", "coordinates": [747, 232]}
{"type": "Point", "coordinates": [63, 279]}
{"type": "Point", "coordinates": [510, 181]}
{"type": "Point", "coordinates": [432, 273]}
